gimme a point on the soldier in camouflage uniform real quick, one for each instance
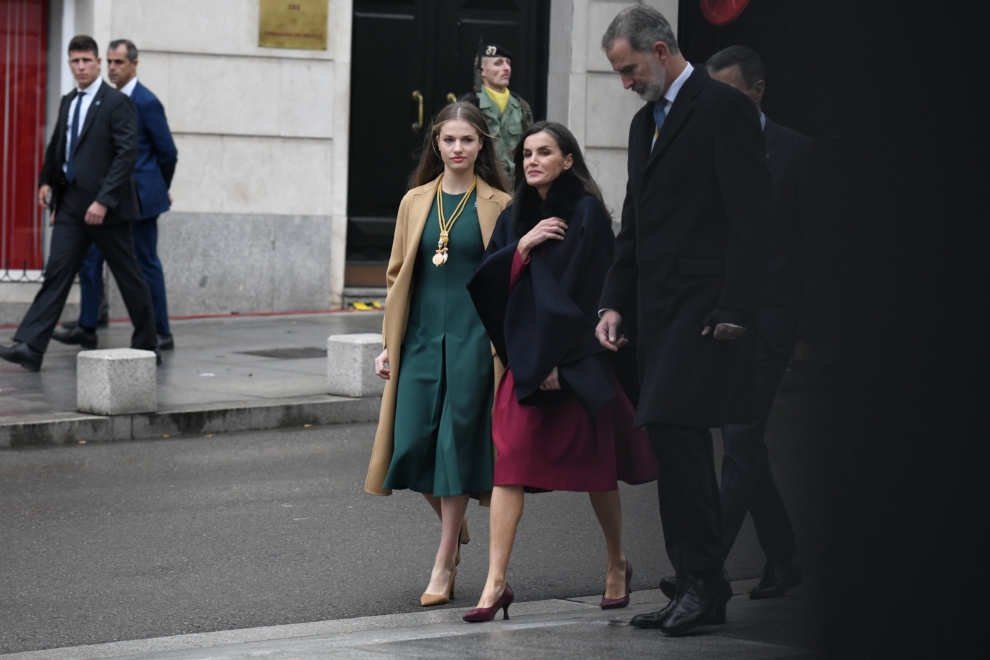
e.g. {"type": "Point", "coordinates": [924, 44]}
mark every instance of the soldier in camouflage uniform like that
{"type": "Point", "coordinates": [508, 115]}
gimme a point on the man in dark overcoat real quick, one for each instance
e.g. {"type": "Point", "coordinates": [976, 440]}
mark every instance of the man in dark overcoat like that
{"type": "Point", "coordinates": [792, 319]}
{"type": "Point", "coordinates": [690, 260]}
{"type": "Point", "coordinates": [87, 181]}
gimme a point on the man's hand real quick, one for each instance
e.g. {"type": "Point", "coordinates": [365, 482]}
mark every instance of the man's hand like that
{"type": "Point", "coordinates": [44, 195]}
{"type": "Point", "coordinates": [95, 214]}
{"type": "Point", "coordinates": [380, 368]}
{"type": "Point", "coordinates": [552, 382]}
{"type": "Point", "coordinates": [724, 331]}
{"type": "Point", "coordinates": [805, 356]}
{"type": "Point", "coordinates": [607, 331]}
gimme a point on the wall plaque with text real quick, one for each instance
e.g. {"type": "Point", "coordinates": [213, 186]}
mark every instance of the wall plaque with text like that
{"type": "Point", "coordinates": [293, 24]}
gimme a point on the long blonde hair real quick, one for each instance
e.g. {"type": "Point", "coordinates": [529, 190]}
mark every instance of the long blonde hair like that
{"type": "Point", "coordinates": [487, 167]}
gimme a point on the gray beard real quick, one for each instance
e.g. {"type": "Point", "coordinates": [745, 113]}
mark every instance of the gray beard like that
{"type": "Point", "coordinates": [654, 89]}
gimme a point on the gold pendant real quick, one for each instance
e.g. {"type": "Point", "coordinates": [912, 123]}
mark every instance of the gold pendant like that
{"type": "Point", "coordinates": [439, 259]}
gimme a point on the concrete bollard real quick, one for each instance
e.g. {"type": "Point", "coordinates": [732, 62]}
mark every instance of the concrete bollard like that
{"type": "Point", "coordinates": [351, 365]}
{"type": "Point", "coordinates": [117, 381]}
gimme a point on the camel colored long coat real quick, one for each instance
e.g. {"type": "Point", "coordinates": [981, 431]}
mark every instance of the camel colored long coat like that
{"type": "Point", "coordinates": [409, 224]}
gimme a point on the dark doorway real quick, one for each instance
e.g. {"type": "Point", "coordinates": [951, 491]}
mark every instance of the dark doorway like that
{"type": "Point", "coordinates": [409, 58]}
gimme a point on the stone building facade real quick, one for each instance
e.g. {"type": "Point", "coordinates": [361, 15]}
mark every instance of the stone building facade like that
{"type": "Point", "coordinates": [259, 220]}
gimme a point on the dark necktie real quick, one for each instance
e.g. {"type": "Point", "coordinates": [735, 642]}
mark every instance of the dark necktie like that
{"type": "Point", "coordinates": [658, 116]}
{"type": "Point", "coordinates": [70, 170]}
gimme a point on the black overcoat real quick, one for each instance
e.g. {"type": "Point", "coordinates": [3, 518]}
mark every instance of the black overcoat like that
{"type": "Point", "coordinates": [794, 301]}
{"type": "Point", "coordinates": [548, 319]}
{"type": "Point", "coordinates": [691, 250]}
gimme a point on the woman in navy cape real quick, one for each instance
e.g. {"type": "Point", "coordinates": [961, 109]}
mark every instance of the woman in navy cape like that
{"type": "Point", "coordinates": [561, 420]}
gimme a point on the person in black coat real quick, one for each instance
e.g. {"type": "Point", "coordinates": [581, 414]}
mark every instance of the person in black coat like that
{"type": "Point", "coordinates": [791, 322]}
{"type": "Point", "coordinates": [689, 259]}
{"type": "Point", "coordinates": [86, 181]}
{"type": "Point", "coordinates": [560, 420]}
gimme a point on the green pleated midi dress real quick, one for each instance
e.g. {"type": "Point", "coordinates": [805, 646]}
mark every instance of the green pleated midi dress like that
{"type": "Point", "coordinates": [443, 440]}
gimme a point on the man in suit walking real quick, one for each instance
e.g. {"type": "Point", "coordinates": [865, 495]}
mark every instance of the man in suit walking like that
{"type": "Point", "coordinates": [791, 321]}
{"type": "Point", "coordinates": [689, 259]}
{"type": "Point", "coordinates": [153, 172]}
{"type": "Point", "coordinates": [86, 181]}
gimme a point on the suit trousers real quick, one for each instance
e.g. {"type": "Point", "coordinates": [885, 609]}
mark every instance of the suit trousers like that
{"type": "Point", "coordinates": [747, 481]}
{"type": "Point", "coordinates": [71, 239]}
{"type": "Point", "coordinates": [146, 249]}
{"type": "Point", "coordinates": [690, 507]}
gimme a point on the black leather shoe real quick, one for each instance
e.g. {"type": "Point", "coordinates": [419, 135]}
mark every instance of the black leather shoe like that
{"type": "Point", "coordinates": [668, 586]}
{"type": "Point", "coordinates": [699, 604]}
{"type": "Point", "coordinates": [23, 355]}
{"type": "Point", "coordinates": [77, 335]}
{"type": "Point", "coordinates": [165, 342]}
{"type": "Point", "coordinates": [652, 619]}
{"type": "Point", "coordinates": [777, 577]}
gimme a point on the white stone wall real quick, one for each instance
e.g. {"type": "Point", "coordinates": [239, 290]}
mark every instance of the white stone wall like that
{"type": "Point", "coordinates": [262, 139]}
{"type": "Point", "coordinates": [586, 95]}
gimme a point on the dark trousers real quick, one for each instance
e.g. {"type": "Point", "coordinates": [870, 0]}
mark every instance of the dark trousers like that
{"type": "Point", "coordinates": [690, 507]}
{"type": "Point", "coordinates": [747, 482]}
{"type": "Point", "coordinates": [71, 239]}
{"type": "Point", "coordinates": [146, 250]}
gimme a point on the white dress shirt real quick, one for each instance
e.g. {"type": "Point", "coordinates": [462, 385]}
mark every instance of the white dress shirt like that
{"type": "Point", "coordinates": [129, 87]}
{"type": "Point", "coordinates": [84, 96]}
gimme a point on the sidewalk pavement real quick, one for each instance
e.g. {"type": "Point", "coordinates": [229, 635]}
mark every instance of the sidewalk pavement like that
{"type": "Point", "coordinates": [539, 630]}
{"type": "Point", "coordinates": [226, 374]}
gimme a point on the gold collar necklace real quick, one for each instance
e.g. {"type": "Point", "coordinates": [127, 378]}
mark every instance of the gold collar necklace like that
{"type": "Point", "coordinates": [440, 258]}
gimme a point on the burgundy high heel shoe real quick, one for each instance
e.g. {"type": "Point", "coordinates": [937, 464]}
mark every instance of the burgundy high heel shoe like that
{"type": "Point", "coordinates": [619, 603]}
{"type": "Point", "coordinates": [488, 613]}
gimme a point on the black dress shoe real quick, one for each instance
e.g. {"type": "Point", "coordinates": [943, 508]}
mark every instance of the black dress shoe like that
{"type": "Point", "coordinates": [668, 586]}
{"type": "Point", "coordinates": [165, 342]}
{"type": "Point", "coordinates": [77, 335]}
{"type": "Point", "coordinates": [23, 355]}
{"type": "Point", "coordinates": [777, 577]}
{"type": "Point", "coordinates": [652, 619]}
{"type": "Point", "coordinates": [701, 603]}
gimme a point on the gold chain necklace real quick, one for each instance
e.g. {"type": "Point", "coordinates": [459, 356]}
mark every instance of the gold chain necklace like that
{"type": "Point", "coordinates": [440, 258]}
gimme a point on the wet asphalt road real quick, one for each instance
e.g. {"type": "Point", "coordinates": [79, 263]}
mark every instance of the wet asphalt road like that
{"type": "Point", "coordinates": [141, 539]}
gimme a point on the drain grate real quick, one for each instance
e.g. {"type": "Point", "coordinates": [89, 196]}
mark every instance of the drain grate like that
{"type": "Point", "coordinates": [290, 353]}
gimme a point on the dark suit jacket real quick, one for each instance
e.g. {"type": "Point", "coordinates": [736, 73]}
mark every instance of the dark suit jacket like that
{"type": "Point", "coordinates": [157, 155]}
{"type": "Point", "coordinates": [692, 242]}
{"type": "Point", "coordinates": [104, 158]}
{"type": "Point", "coordinates": [793, 304]}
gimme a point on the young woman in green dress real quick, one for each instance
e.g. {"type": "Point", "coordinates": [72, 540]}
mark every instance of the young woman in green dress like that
{"type": "Point", "coordinates": [434, 432]}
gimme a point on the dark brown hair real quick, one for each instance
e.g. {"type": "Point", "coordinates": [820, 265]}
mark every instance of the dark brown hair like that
{"type": "Point", "coordinates": [82, 43]}
{"type": "Point", "coordinates": [568, 144]}
{"type": "Point", "coordinates": [487, 168]}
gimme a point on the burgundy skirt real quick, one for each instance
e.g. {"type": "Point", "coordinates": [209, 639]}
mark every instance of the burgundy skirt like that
{"type": "Point", "coordinates": [560, 447]}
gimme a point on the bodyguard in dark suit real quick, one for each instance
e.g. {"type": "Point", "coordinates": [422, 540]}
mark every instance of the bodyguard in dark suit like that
{"type": "Point", "coordinates": [153, 172]}
{"type": "Point", "coordinates": [86, 181]}
{"type": "Point", "coordinates": [791, 322]}
{"type": "Point", "coordinates": [690, 260]}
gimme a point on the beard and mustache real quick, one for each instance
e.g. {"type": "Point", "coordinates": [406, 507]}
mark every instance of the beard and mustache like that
{"type": "Point", "coordinates": [653, 90]}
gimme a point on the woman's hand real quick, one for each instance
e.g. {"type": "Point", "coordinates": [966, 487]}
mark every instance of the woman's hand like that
{"type": "Point", "coordinates": [545, 230]}
{"type": "Point", "coordinates": [552, 382]}
{"type": "Point", "coordinates": [380, 362]}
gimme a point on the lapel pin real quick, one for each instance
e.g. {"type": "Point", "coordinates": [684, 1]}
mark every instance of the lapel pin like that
{"type": "Point", "coordinates": [97, 103]}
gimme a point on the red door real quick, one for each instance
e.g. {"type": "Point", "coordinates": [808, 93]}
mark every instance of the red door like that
{"type": "Point", "coordinates": [23, 41]}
